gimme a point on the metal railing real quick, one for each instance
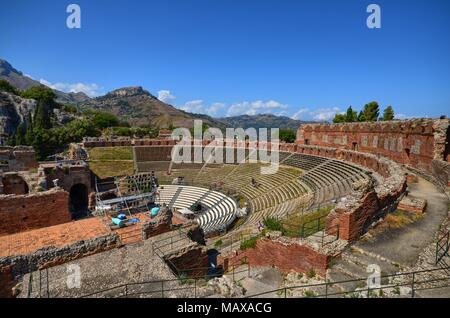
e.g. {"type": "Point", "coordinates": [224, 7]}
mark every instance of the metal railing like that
{"type": "Point", "coordinates": [161, 288]}
{"type": "Point", "coordinates": [442, 247]}
{"type": "Point", "coordinates": [410, 280]}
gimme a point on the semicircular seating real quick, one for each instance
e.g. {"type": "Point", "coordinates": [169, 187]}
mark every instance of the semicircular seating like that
{"type": "Point", "coordinates": [221, 210]}
{"type": "Point", "coordinates": [301, 180]}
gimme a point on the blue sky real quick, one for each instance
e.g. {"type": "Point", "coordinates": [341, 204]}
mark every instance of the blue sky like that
{"type": "Point", "coordinates": [304, 59]}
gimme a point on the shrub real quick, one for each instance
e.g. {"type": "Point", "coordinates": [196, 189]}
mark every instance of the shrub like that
{"type": "Point", "coordinates": [309, 293]}
{"type": "Point", "coordinates": [249, 243]}
{"type": "Point", "coordinates": [218, 243]}
{"type": "Point", "coordinates": [311, 273]}
{"type": "Point", "coordinates": [5, 86]}
{"type": "Point", "coordinates": [273, 224]}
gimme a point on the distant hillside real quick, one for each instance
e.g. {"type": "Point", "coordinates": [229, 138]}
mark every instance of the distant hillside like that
{"type": "Point", "coordinates": [139, 107]}
{"type": "Point", "coordinates": [262, 121]}
{"type": "Point", "coordinates": [22, 82]}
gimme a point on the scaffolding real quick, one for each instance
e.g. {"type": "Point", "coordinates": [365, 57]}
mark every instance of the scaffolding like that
{"type": "Point", "coordinates": [131, 194]}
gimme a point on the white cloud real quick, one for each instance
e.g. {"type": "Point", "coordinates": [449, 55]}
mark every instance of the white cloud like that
{"type": "Point", "coordinates": [300, 113]}
{"type": "Point", "coordinates": [193, 106]}
{"type": "Point", "coordinates": [325, 114]}
{"type": "Point", "coordinates": [90, 89]}
{"type": "Point", "coordinates": [255, 107]}
{"type": "Point", "coordinates": [214, 109]}
{"type": "Point", "coordinates": [197, 106]}
{"type": "Point", "coordinates": [320, 114]}
{"type": "Point", "coordinates": [165, 96]}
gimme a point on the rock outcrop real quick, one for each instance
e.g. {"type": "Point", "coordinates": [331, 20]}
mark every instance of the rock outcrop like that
{"type": "Point", "coordinates": [14, 110]}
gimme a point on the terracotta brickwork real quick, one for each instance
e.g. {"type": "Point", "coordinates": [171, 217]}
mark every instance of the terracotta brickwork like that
{"type": "Point", "coordinates": [412, 142]}
{"type": "Point", "coordinates": [285, 256]}
{"type": "Point", "coordinates": [90, 142]}
{"type": "Point", "coordinates": [13, 267]}
{"type": "Point", "coordinates": [68, 175]}
{"type": "Point", "coordinates": [193, 262]}
{"type": "Point", "coordinates": [32, 211]}
{"type": "Point", "coordinates": [6, 282]}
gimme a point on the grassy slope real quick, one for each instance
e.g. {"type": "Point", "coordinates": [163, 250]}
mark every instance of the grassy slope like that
{"type": "Point", "coordinates": [111, 161]}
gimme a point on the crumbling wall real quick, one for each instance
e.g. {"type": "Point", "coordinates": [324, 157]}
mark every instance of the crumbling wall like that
{"type": "Point", "coordinates": [355, 213]}
{"type": "Point", "coordinates": [191, 261]}
{"type": "Point", "coordinates": [68, 174]}
{"type": "Point", "coordinates": [34, 210]}
{"type": "Point", "coordinates": [412, 142]}
{"type": "Point", "coordinates": [13, 183]}
{"type": "Point", "coordinates": [14, 267]}
{"type": "Point", "coordinates": [161, 224]}
{"type": "Point", "coordinates": [90, 142]}
{"type": "Point", "coordinates": [19, 158]}
{"type": "Point", "coordinates": [287, 255]}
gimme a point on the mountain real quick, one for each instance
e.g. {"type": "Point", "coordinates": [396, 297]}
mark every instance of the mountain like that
{"type": "Point", "coordinates": [139, 107]}
{"type": "Point", "coordinates": [262, 121]}
{"type": "Point", "coordinates": [22, 82]}
{"type": "Point", "coordinates": [14, 110]}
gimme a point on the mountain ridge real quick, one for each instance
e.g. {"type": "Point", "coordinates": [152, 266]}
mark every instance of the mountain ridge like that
{"type": "Point", "coordinates": [139, 107]}
{"type": "Point", "coordinates": [19, 80]}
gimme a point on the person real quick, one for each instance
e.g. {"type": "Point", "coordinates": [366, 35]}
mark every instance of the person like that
{"type": "Point", "coordinates": [260, 226]}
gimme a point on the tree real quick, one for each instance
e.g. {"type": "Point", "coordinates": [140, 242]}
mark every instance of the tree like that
{"type": "Point", "coordinates": [39, 93]}
{"type": "Point", "coordinates": [339, 118]}
{"type": "Point", "coordinates": [29, 133]}
{"type": "Point", "coordinates": [5, 86]}
{"type": "Point", "coordinates": [42, 117]}
{"type": "Point", "coordinates": [104, 120]}
{"type": "Point", "coordinates": [20, 134]}
{"type": "Point", "coordinates": [351, 115]}
{"type": "Point", "coordinates": [287, 135]}
{"type": "Point", "coordinates": [388, 113]}
{"type": "Point", "coordinates": [370, 112]}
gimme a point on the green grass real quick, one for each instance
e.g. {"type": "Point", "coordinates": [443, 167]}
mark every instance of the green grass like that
{"type": "Point", "coordinates": [273, 224]}
{"type": "Point", "coordinates": [104, 169]}
{"type": "Point", "coordinates": [249, 243]}
{"type": "Point", "coordinates": [299, 225]}
{"type": "Point", "coordinates": [110, 153]}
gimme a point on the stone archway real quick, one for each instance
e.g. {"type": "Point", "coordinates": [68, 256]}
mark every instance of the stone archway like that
{"type": "Point", "coordinates": [12, 183]}
{"type": "Point", "coordinates": [78, 201]}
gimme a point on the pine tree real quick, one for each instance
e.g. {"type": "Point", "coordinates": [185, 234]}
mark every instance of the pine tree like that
{"type": "Point", "coordinates": [20, 134]}
{"type": "Point", "coordinates": [388, 113]}
{"type": "Point", "coordinates": [339, 118]}
{"type": "Point", "coordinates": [351, 115]}
{"type": "Point", "coordinates": [370, 112]}
{"type": "Point", "coordinates": [42, 115]}
{"type": "Point", "coordinates": [29, 133]}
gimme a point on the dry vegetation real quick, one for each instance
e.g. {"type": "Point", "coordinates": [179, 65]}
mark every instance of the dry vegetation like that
{"type": "Point", "coordinates": [111, 161]}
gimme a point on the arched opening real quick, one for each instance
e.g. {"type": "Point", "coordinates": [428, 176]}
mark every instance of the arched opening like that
{"type": "Point", "coordinates": [14, 184]}
{"type": "Point", "coordinates": [78, 201]}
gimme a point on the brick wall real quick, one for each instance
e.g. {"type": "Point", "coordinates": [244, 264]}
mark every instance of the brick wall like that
{"type": "Point", "coordinates": [193, 262]}
{"type": "Point", "coordinates": [14, 267]}
{"type": "Point", "coordinates": [285, 256]}
{"type": "Point", "coordinates": [6, 282]}
{"type": "Point", "coordinates": [20, 213]}
{"type": "Point", "coordinates": [18, 158]}
{"type": "Point", "coordinates": [412, 142]}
